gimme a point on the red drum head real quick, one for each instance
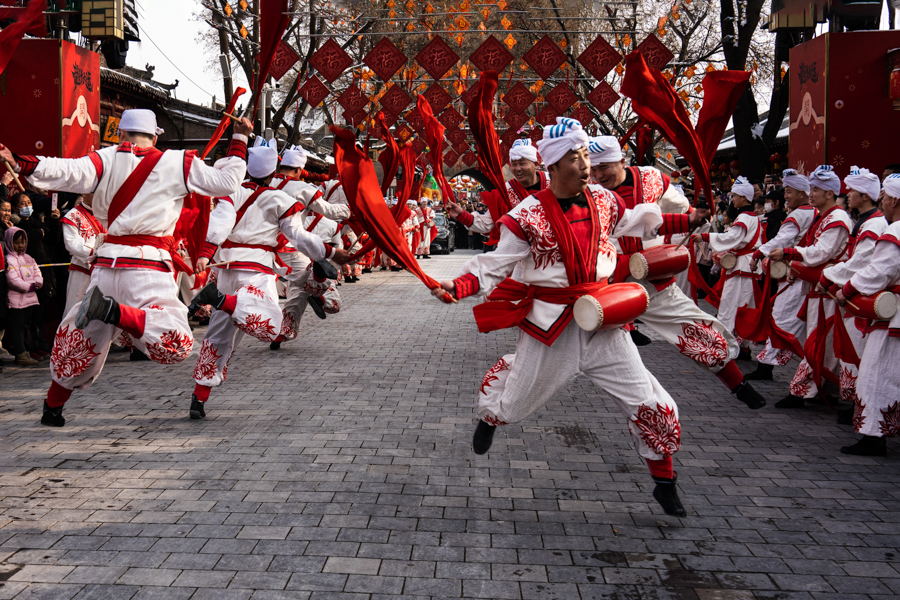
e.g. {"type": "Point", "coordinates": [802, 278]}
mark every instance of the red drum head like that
{"type": "Point", "coordinates": [611, 307]}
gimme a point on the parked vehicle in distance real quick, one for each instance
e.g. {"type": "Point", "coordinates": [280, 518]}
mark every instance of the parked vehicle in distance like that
{"type": "Point", "coordinates": [445, 241]}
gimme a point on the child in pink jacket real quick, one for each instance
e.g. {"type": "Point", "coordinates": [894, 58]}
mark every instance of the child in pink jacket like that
{"type": "Point", "coordinates": [23, 278]}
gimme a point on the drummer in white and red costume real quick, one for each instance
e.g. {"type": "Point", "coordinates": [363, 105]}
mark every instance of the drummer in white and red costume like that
{"type": "Point", "coordinates": [791, 295]}
{"type": "Point", "coordinates": [83, 236]}
{"type": "Point", "coordinates": [427, 222]}
{"type": "Point", "coordinates": [527, 180]}
{"type": "Point", "coordinates": [695, 333]}
{"type": "Point", "coordinates": [877, 413]}
{"type": "Point", "coordinates": [825, 243]}
{"type": "Point", "coordinates": [551, 348]}
{"type": "Point", "coordinates": [863, 191]}
{"type": "Point", "coordinates": [243, 231]}
{"type": "Point", "coordinates": [741, 240]}
{"type": "Point", "coordinates": [134, 265]}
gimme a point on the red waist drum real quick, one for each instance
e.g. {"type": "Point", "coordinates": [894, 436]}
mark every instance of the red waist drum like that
{"type": "Point", "coordinates": [659, 262]}
{"type": "Point", "coordinates": [611, 306]}
{"type": "Point", "coordinates": [808, 274]}
{"type": "Point", "coordinates": [877, 307]}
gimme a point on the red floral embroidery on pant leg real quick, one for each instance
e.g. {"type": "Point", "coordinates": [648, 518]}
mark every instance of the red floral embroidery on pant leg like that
{"type": "Point", "coordinates": [259, 328]}
{"type": "Point", "coordinates": [206, 362]}
{"type": "Point", "coordinates": [803, 374]}
{"type": "Point", "coordinates": [703, 344]}
{"type": "Point", "coordinates": [493, 420]}
{"type": "Point", "coordinates": [287, 325]}
{"type": "Point", "coordinates": [890, 420]}
{"type": "Point", "coordinates": [172, 348]}
{"type": "Point", "coordinates": [848, 385]}
{"type": "Point", "coordinates": [72, 354]}
{"type": "Point", "coordinates": [659, 428]}
{"type": "Point", "coordinates": [858, 417]}
{"type": "Point", "coordinates": [252, 289]}
{"type": "Point", "coordinates": [492, 374]}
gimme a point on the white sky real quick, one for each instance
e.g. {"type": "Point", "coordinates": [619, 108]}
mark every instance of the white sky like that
{"type": "Point", "coordinates": [169, 24]}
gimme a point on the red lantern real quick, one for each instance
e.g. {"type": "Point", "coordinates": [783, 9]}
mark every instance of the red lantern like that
{"type": "Point", "coordinates": [734, 164]}
{"type": "Point", "coordinates": [895, 87]}
{"type": "Point", "coordinates": [675, 174]}
{"type": "Point", "coordinates": [772, 158]}
{"type": "Point", "coordinates": [723, 167]}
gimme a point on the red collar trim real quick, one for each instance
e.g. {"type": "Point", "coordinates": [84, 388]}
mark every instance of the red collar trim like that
{"type": "Point", "coordinates": [137, 151]}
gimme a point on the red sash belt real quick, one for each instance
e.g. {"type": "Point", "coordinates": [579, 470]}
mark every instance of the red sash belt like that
{"type": "Point", "coordinates": [166, 243]}
{"type": "Point", "coordinates": [501, 312]}
{"type": "Point", "coordinates": [272, 249]}
{"type": "Point", "coordinates": [74, 267]}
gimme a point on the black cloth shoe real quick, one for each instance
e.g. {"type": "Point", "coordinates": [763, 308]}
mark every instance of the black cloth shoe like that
{"type": "Point", "coordinates": [324, 269]}
{"type": "Point", "coordinates": [318, 306]}
{"type": "Point", "coordinates": [395, 269]}
{"type": "Point", "coordinates": [763, 372]}
{"type": "Point", "coordinates": [52, 417]}
{"type": "Point", "coordinates": [96, 307]}
{"type": "Point", "coordinates": [639, 338]}
{"type": "Point", "coordinates": [868, 446]}
{"type": "Point", "coordinates": [210, 294]}
{"type": "Point", "coordinates": [137, 356]}
{"type": "Point", "coordinates": [484, 436]}
{"type": "Point", "coordinates": [666, 494]}
{"type": "Point", "coordinates": [197, 410]}
{"type": "Point", "coordinates": [203, 322]}
{"type": "Point", "coordinates": [426, 256]}
{"type": "Point", "coordinates": [791, 401]}
{"type": "Point", "coordinates": [367, 270]}
{"type": "Point", "coordinates": [275, 346]}
{"type": "Point", "coordinates": [746, 394]}
{"type": "Point", "coordinates": [744, 355]}
{"type": "Point", "coordinates": [845, 416]}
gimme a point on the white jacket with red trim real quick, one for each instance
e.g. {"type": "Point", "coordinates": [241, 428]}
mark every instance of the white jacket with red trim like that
{"type": "Point", "coordinates": [155, 209]}
{"type": "Point", "coordinates": [744, 235]}
{"type": "Point", "coordinates": [826, 241]}
{"type": "Point", "coordinates": [791, 231]}
{"type": "Point", "coordinates": [861, 250]}
{"type": "Point", "coordinates": [83, 235]}
{"type": "Point", "coordinates": [272, 212]}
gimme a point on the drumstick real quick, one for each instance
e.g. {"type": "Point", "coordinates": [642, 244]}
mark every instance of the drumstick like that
{"type": "Point", "coordinates": [227, 262]}
{"type": "Point", "coordinates": [14, 176]}
{"type": "Point", "coordinates": [829, 294]}
{"type": "Point", "coordinates": [47, 265]}
{"type": "Point", "coordinates": [236, 119]}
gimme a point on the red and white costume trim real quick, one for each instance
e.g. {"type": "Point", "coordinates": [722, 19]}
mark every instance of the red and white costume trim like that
{"type": "Point", "coordinates": [426, 217]}
{"type": "Point", "coordinates": [83, 235]}
{"type": "Point", "coordinates": [484, 223]}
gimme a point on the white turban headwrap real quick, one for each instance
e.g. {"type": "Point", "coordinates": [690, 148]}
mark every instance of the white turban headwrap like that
{"type": "Point", "coordinates": [793, 179]}
{"type": "Point", "coordinates": [744, 188]}
{"type": "Point", "coordinates": [262, 161]}
{"type": "Point", "coordinates": [294, 158]}
{"type": "Point", "coordinates": [560, 139]}
{"type": "Point", "coordinates": [140, 120]}
{"type": "Point", "coordinates": [523, 149]}
{"type": "Point", "coordinates": [863, 182]}
{"type": "Point", "coordinates": [825, 179]}
{"type": "Point", "coordinates": [892, 185]}
{"type": "Point", "coordinates": [604, 149]}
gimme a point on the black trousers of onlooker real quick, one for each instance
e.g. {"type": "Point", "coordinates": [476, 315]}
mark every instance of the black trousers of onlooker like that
{"type": "Point", "coordinates": [18, 321]}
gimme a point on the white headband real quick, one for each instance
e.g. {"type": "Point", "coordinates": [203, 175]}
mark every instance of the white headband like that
{"type": "Point", "coordinates": [562, 138]}
{"type": "Point", "coordinates": [604, 149]}
{"type": "Point", "coordinates": [294, 158]}
{"type": "Point", "coordinates": [744, 188]}
{"type": "Point", "coordinates": [792, 179]}
{"type": "Point", "coordinates": [892, 185]}
{"type": "Point", "coordinates": [262, 161]}
{"type": "Point", "coordinates": [523, 149]}
{"type": "Point", "coordinates": [825, 179]}
{"type": "Point", "coordinates": [863, 182]}
{"type": "Point", "coordinates": [140, 120]}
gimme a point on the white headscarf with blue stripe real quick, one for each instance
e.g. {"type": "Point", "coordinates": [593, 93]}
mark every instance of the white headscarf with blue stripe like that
{"type": "Point", "coordinates": [560, 139]}
{"type": "Point", "coordinates": [864, 182]}
{"type": "Point", "coordinates": [793, 179]}
{"type": "Point", "coordinates": [604, 149]}
{"type": "Point", "coordinates": [523, 149]}
{"type": "Point", "coordinates": [891, 185]}
{"type": "Point", "coordinates": [262, 158]}
{"type": "Point", "coordinates": [824, 178]}
{"type": "Point", "coordinates": [294, 157]}
{"type": "Point", "coordinates": [742, 187]}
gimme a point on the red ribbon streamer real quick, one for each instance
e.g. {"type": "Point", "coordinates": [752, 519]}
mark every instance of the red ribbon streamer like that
{"type": "Point", "coordinates": [273, 20]}
{"type": "Point", "coordinates": [487, 145]}
{"type": "Point", "coordinates": [223, 124]}
{"type": "Point", "coordinates": [434, 135]}
{"type": "Point", "coordinates": [390, 156]}
{"type": "Point", "coordinates": [31, 21]}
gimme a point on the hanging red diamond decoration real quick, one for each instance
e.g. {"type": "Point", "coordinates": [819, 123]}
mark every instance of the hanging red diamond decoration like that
{"type": "Point", "coordinates": [437, 97]}
{"type": "Point", "coordinates": [375, 130]}
{"type": "Point", "coordinates": [353, 100]}
{"type": "Point", "coordinates": [515, 120]}
{"type": "Point", "coordinates": [437, 57]}
{"type": "Point", "coordinates": [509, 136]}
{"type": "Point", "coordinates": [504, 153]}
{"type": "Point", "coordinates": [284, 59]}
{"type": "Point", "coordinates": [451, 158]}
{"type": "Point", "coordinates": [536, 135]}
{"type": "Point", "coordinates": [389, 118]}
{"type": "Point", "coordinates": [314, 91]}
{"type": "Point", "coordinates": [603, 96]}
{"type": "Point", "coordinates": [403, 133]}
{"type": "Point", "coordinates": [469, 158]}
{"type": "Point", "coordinates": [599, 58]}
{"type": "Point", "coordinates": [655, 52]}
{"type": "Point", "coordinates": [468, 97]}
{"type": "Point", "coordinates": [415, 120]}
{"type": "Point", "coordinates": [461, 147]}
{"type": "Point", "coordinates": [330, 60]}
{"type": "Point", "coordinates": [491, 55]}
{"type": "Point", "coordinates": [583, 115]}
{"type": "Point", "coordinates": [356, 118]}
{"type": "Point", "coordinates": [561, 98]}
{"type": "Point", "coordinates": [385, 59]}
{"type": "Point", "coordinates": [518, 97]}
{"type": "Point", "coordinates": [544, 57]}
{"type": "Point", "coordinates": [547, 116]}
{"type": "Point", "coordinates": [455, 135]}
{"type": "Point", "coordinates": [451, 118]}
{"type": "Point", "coordinates": [395, 100]}
{"type": "Point", "coordinates": [419, 146]}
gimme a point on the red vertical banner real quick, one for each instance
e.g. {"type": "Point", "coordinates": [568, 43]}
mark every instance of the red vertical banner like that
{"type": "Point", "coordinates": [29, 97]}
{"type": "Point", "coordinates": [80, 97]}
{"type": "Point", "coordinates": [808, 104]}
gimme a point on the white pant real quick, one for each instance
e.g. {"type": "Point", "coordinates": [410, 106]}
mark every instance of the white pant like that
{"type": "Point", "coordinates": [78, 356]}
{"type": "Point", "coordinates": [784, 312]}
{"type": "Point", "coordinates": [878, 408]}
{"type": "Point", "coordinates": [737, 292]}
{"type": "Point", "coordinates": [425, 244]}
{"type": "Point", "coordinates": [695, 333]}
{"type": "Point", "coordinates": [76, 289]}
{"type": "Point", "coordinates": [520, 384]}
{"type": "Point", "coordinates": [849, 372]}
{"type": "Point", "coordinates": [257, 314]}
{"type": "Point", "coordinates": [301, 285]}
{"type": "Point", "coordinates": [802, 385]}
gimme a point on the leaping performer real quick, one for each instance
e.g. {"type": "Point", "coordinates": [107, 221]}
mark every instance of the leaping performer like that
{"type": "Point", "coordinates": [138, 196]}
{"type": "Point", "coordinates": [559, 242]}
{"type": "Point", "coordinates": [696, 334]}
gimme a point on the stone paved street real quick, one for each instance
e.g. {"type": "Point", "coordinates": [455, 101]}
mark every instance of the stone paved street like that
{"type": "Point", "coordinates": [341, 467]}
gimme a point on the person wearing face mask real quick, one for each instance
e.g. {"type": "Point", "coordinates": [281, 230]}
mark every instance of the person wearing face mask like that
{"type": "Point", "coordinates": [775, 213]}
